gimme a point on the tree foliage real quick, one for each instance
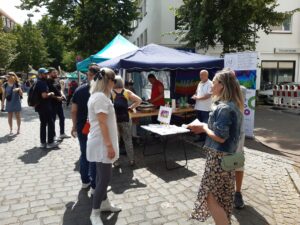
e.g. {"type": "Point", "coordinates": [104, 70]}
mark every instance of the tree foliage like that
{"type": "Point", "coordinates": [30, 47]}
{"type": "Point", "coordinates": [56, 36]}
{"type": "Point", "coordinates": [232, 23]}
{"type": "Point", "coordinates": [94, 22]}
{"type": "Point", "coordinates": [7, 48]}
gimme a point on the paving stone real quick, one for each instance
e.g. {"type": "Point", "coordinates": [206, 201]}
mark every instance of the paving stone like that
{"type": "Point", "coordinates": [44, 187]}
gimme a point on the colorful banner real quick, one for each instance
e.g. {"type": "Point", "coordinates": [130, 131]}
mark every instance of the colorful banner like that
{"type": "Point", "coordinates": [186, 82]}
{"type": "Point", "coordinates": [245, 65]}
{"type": "Point", "coordinates": [249, 112]}
{"type": "Point", "coordinates": [247, 78]}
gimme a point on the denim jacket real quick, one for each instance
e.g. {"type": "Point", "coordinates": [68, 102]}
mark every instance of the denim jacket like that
{"type": "Point", "coordinates": [225, 121]}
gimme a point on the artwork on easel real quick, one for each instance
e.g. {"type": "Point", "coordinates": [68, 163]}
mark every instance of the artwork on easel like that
{"type": "Point", "coordinates": [164, 114]}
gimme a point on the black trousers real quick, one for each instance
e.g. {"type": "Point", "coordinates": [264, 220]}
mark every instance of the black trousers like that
{"type": "Point", "coordinates": [58, 110]}
{"type": "Point", "coordinates": [47, 121]}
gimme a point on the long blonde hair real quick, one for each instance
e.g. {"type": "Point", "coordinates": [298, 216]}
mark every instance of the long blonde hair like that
{"type": "Point", "coordinates": [15, 77]}
{"type": "Point", "coordinates": [231, 88]}
{"type": "Point", "coordinates": [101, 81]}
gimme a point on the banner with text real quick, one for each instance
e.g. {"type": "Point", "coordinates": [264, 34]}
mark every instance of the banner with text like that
{"type": "Point", "coordinates": [245, 65]}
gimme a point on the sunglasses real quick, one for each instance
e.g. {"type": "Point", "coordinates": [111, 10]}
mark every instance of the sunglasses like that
{"type": "Point", "coordinates": [113, 80]}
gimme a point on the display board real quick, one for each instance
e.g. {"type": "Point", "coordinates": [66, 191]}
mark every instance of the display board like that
{"type": "Point", "coordinates": [245, 66]}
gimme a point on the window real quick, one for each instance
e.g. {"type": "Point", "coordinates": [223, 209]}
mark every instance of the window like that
{"type": "Point", "coordinates": [145, 37]}
{"type": "Point", "coordinates": [145, 8]}
{"type": "Point", "coordinates": [285, 27]}
{"type": "Point", "coordinates": [274, 72]}
{"type": "Point", "coordinates": [141, 40]}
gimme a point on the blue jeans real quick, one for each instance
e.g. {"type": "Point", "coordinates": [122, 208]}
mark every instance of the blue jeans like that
{"type": "Point", "coordinates": [87, 169]}
{"type": "Point", "coordinates": [202, 116]}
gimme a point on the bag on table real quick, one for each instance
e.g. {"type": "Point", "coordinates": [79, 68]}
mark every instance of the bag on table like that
{"type": "Point", "coordinates": [86, 128]}
{"type": "Point", "coordinates": [233, 161]}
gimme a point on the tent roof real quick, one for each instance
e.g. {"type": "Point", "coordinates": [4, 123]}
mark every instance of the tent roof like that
{"type": "Point", "coordinates": [118, 46]}
{"type": "Point", "coordinates": [156, 57]}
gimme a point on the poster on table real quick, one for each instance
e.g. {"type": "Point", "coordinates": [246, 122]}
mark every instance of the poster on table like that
{"type": "Point", "coordinates": [245, 65]}
{"type": "Point", "coordinates": [164, 114]}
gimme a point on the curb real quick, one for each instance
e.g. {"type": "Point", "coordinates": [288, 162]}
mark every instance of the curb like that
{"type": "Point", "coordinates": [294, 177]}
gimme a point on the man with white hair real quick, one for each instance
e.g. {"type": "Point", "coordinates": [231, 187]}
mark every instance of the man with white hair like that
{"type": "Point", "coordinates": [203, 100]}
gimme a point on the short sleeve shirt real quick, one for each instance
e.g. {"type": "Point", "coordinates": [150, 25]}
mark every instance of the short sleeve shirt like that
{"type": "Point", "coordinates": [155, 93]}
{"type": "Point", "coordinates": [202, 90]}
{"type": "Point", "coordinates": [80, 98]}
{"type": "Point", "coordinates": [96, 148]}
{"type": "Point", "coordinates": [41, 87]}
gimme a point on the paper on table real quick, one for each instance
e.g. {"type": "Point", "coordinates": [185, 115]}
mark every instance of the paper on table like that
{"type": "Point", "coordinates": [162, 129]}
{"type": "Point", "coordinates": [196, 122]}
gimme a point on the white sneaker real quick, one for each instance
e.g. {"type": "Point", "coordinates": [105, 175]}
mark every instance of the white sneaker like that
{"type": "Point", "coordinates": [92, 191]}
{"type": "Point", "coordinates": [52, 145]}
{"type": "Point", "coordinates": [62, 136]}
{"type": "Point", "coordinates": [43, 145]}
{"type": "Point", "coordinates": [95, 217]}
{"type": "Point", "coordinates": [106, 206]}
{"type": "Point", "coordinates": [85, 185]}
{"type": "Point", "coordinates": [57, 139]}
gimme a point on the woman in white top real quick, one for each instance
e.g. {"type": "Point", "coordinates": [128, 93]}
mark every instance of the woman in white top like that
{"type": "Point", "coordinates": [102, 144]}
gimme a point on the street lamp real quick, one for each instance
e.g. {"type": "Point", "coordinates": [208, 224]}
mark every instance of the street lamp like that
{"type": "Point", "coordinates": [30, 15]}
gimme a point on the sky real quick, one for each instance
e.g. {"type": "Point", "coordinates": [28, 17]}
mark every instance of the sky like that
{"type": "Point", "coordinates": [20, 16]}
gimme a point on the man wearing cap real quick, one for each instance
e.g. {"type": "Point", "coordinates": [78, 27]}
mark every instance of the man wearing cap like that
{"type": "Point", "coordinates": [56, 101]}
{"type": "Point", "coordinates": [45, 110]}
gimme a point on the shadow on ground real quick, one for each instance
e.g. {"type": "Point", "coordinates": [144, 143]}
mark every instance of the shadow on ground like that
{"type": "Point", "coordinates": [7, 138]}
{"type": "Point", "coordinates": [249, 216]}
{"type": "Point", "coordinates": [34, 155]}
{"type": "Point", "coordinates": [78, 213]}
{"type": "Point", "coordinates": [123, 180]}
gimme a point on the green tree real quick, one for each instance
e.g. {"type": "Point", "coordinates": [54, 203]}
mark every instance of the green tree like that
{"type": "Point", "coordinates": [68, 61]}
{"type": "Point", "coordinates": [94, 22]}
{"type": "Point", "coordinates": [8, 52]}
{"type": "Point", "coordinates": [31, 47]}
{"type": "Point", "coordinates": [57, 39]}
{"type": "Point", "coordinates": [232, 23]}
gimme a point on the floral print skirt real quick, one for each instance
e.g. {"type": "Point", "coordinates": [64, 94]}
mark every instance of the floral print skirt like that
{"type": "Point", "coordinates": [216, 181]}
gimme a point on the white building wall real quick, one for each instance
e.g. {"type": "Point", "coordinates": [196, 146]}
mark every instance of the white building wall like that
{"type": "Point", "coordinates": [160, 20]}
{"type": "Point", "coordinates": [286, 42]}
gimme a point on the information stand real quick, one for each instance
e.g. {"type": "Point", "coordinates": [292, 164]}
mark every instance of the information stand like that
{"type": "Point", "coordinates": [164, 132]}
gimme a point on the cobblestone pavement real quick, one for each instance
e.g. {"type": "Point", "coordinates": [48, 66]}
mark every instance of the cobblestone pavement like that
{"type": "Point", "coordinates": [43, 187]}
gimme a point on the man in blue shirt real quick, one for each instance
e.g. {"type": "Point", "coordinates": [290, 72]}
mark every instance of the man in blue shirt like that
{"type": "Point", "coordinates": [44, 110]}
{"type": "Point", "coordinates": [79, 113]}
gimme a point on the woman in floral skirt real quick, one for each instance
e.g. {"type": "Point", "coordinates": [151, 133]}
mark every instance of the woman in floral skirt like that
{"type": "Point", "coordinates": [215, 196]}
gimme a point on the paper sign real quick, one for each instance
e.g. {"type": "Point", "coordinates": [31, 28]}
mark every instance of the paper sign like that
{"type": "Point", "coordinates": [164, 114]}
{"type": "Point", "coordinates": [196, 122]}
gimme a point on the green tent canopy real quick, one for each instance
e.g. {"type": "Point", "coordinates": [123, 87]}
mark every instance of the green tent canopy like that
{"type": "Point", "coordinates": [118, 46]}
{"type": "Point", "coordinates": [74, 76]}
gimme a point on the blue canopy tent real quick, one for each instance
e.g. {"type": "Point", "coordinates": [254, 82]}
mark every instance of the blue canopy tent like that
{"type": "Point", "coordinates": [156, 57]}
{"type": "Point", "coordinates": [183, 66]}
{"type": "Point", "coordinates": [118, 46]}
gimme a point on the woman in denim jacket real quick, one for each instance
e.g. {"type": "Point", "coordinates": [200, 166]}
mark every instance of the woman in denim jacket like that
{"type": "Point", "coordinates": [215, 196]}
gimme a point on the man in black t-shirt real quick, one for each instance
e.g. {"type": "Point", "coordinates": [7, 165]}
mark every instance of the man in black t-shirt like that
{"type": "Point", "coordinates": [56, 102]}
{"type": "Point", "coordinates": [79, 113]}
{"type": "Point", "coordinates": [45, 110]}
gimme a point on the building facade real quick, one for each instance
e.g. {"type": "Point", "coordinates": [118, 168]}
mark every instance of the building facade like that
{"type": "Point", "coordinates": [7, 21]}
{"type": "Point", "coordinates": [279, 51]}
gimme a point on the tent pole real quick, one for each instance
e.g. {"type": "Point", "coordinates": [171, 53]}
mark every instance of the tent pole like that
{"type": "Point", "coordinates": [123, 74]}
{"type": "Point", "coordinates": [79, 78]}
